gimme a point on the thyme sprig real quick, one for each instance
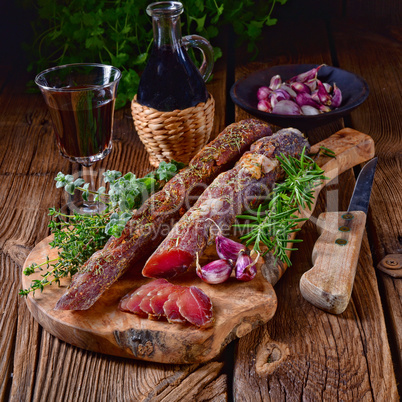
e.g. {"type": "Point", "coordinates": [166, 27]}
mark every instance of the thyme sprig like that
{"type": "Point", "coordinates": [78, 236]}
{"type": "Point", "coordinates": [274, 221]}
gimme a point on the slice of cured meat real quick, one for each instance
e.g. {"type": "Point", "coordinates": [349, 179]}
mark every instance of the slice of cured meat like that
{"type": "Point", "coordinates": [131, 302]}
{"type": "Point", "coordinates": [195, 306]}
{"type": "Point", "coordinates": [171, 309]}
{"type": "Point", "coordinates": [231, 193]}
{"type": "Point", "coordinates": [158, 301]}
{"type": "Point", "coordinates": [145, 304]}
{"type": "Point", "coordinates": [151, 223]}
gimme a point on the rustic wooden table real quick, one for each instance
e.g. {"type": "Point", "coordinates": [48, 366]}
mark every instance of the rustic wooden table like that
{"type": "Point", "coordinates": [302, 353]}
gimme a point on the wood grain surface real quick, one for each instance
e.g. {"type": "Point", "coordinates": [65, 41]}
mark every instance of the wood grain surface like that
{"type": "Point", "coordinates": [303, 353]}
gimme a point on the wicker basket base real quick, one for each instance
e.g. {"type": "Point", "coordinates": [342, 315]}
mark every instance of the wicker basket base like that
{"type": "Point", "coordinates": [178, 134]}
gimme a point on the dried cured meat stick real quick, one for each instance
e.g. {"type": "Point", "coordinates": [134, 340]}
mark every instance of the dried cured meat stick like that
{"type": "Point", "coordinates": [231, 193]}
{"type": "Point", "coordinates": [153, 221]}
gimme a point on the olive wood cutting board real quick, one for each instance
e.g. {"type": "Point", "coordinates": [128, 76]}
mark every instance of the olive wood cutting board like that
{"type": "Point", "coordinates": [239, 307]}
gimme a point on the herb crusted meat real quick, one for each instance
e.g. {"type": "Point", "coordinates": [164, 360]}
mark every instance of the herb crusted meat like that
{"type": "Point", "coordinates": [231, 193]}
{"type": "Point", "coordinates": [152, 222]}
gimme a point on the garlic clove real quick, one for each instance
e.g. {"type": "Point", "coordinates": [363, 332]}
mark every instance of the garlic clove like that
{"type": "Point", "coordinates": [336, 97]}
{"type": "Point", "coordinates": [289, 90]}
{"type": "Point", "coordinates": [324, 108]}
{"type": "Point", "coordinates": [263, 92]}
{"type": "Point", "coordinates": [287, 107]}
{"type": "Point", "coordinates": [300, 87]}
{"type": "Point", "coordinates": [228, 249]}
{"type": "Point", "coordinates": [275, 82]}
{"type": "Point", "coordinates": [327, 87]}
{"type": "Point", "coordinates": [312, 84]}
{"type": "Point", "coordinates": [303, 99]}
{"type": "Point", "coordinates": [309, 110]}
{"type": "Point", "coordinates": [277, 96]}
{"type": "Point", "coordinates": [246, 267]}
{"type": "Point", "coordinates": [215, 272]}
{"type": "Point", "coordinates": [323, 95]}
{"type": "Point", "coordinates": [264, 106]}
{"type": "Point", "coordinates": [306, 76]}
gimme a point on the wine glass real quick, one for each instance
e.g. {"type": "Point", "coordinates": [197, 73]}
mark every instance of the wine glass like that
{"type": "Point", "coordinates": [81, 99]}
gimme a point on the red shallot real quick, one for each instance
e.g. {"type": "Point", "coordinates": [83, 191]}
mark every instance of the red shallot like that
{"type": "Point", "coordinates": [303, 94]}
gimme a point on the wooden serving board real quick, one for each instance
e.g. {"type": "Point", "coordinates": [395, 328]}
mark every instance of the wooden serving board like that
{"type": "Point", "coordinates": [239, 307]}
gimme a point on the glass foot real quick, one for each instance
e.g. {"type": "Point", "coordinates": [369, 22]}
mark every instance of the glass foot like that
{"type": "Point", "coordinates": [85, 207]}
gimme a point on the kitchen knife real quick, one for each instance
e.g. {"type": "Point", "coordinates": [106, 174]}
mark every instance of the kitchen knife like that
{"type": "Point", "coordinates": [328, 284]}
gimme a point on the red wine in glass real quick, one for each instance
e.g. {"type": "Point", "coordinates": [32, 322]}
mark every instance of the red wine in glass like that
{"type": "Point", "coordinates": [81, 99]}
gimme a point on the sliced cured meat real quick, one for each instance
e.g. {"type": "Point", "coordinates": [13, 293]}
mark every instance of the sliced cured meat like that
{"type": "Point", "coordinates": [157, 302]}
{"type": "Point", "coordinates": [178, 304]}
{"type": "Point", "coordinates": [195, 306]}
{"type": "Point", "coordinates": [132, 301]}
{"type": "Point", "coordinates": [148, 226]}
{"type": "Point", "coordinates": [171, 308]}
{"type": "Point", "coordinates": [145, 305]}
{"type": "Point", "coordinates": [231, 193]}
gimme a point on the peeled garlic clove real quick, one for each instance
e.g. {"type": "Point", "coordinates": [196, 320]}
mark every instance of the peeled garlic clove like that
{"type": "Point", "coordinates": [215, 272]}
{"type": "Point", "coordinates": [228, 249]}
{"type": "Point", "coordinates": [287, 107]}
{"type": "Point", "coordinates": [275, 82]}
{"type": "Point", "coordinates": [308, 110]}
{"type": "Point", "coordinates": [246, 267]}
{"type": "Point", "coordinates": [263, 92]}
{"type": "Point", "coordinates": [308, 75]}
{"type": "Point", "coordinates": [303, 99]}
{"type": "Point", "coordinates": [264, 106]}
{"type": "Point", "coordinates": [336, 97]}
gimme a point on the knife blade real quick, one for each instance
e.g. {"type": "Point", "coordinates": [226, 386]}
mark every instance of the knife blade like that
{"type": "Point", "coordinates": [328, 284]}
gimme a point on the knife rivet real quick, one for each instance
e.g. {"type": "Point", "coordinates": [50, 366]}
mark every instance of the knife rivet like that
{"type": "Point", "coordinates": [344, 229]}
{"type": "Point", "coordinates": [341, 242]}
{"type": "Point", "coordinates": [348, 216]}
{"type": "Point", "coordinates": [392, 263]}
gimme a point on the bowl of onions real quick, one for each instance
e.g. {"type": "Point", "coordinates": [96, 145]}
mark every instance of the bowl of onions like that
{"type": "Point", "coordinates": [304, 96]}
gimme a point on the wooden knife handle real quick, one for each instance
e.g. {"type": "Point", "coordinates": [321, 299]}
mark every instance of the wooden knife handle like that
{"type": "Point", "coordinates": [328, 284]}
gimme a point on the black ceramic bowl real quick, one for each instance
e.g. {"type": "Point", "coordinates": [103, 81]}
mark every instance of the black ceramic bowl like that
{"type": "Point", "coordinates": [354, 92]}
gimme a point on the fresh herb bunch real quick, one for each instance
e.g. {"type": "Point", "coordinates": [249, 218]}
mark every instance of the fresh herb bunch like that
{"type": "Point", "coordinates": [273, 222]}
{"type": "Point", "coordinates": [78, 236]}
{"type": "Point", "coordinates": [120, 32]}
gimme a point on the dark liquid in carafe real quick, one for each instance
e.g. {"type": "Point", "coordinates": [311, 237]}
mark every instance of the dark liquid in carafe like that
{"type": "Point", "coordinates": [83, 127]}
{"type": "Point", "coordinates": [171, 81]}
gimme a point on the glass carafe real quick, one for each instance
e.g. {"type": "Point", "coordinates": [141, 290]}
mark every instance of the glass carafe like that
{"type": "Point", "coordinates": [170, 80]}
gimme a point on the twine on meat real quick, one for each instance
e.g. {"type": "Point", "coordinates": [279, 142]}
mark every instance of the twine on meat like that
{"type": "Point", "coordinates": [178, 134]}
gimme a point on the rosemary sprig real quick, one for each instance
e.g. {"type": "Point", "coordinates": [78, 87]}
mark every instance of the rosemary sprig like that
{"type": "Point", "coordinates": [78, 236]}
{"type": "Point", "coordinates": [273, 222]}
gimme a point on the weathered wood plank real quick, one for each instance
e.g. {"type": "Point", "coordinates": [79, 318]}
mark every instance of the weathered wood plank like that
{"type": "Point", "coordinates": [386, 12]}
{"type": "Point", "coordinates": [359, 48]}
